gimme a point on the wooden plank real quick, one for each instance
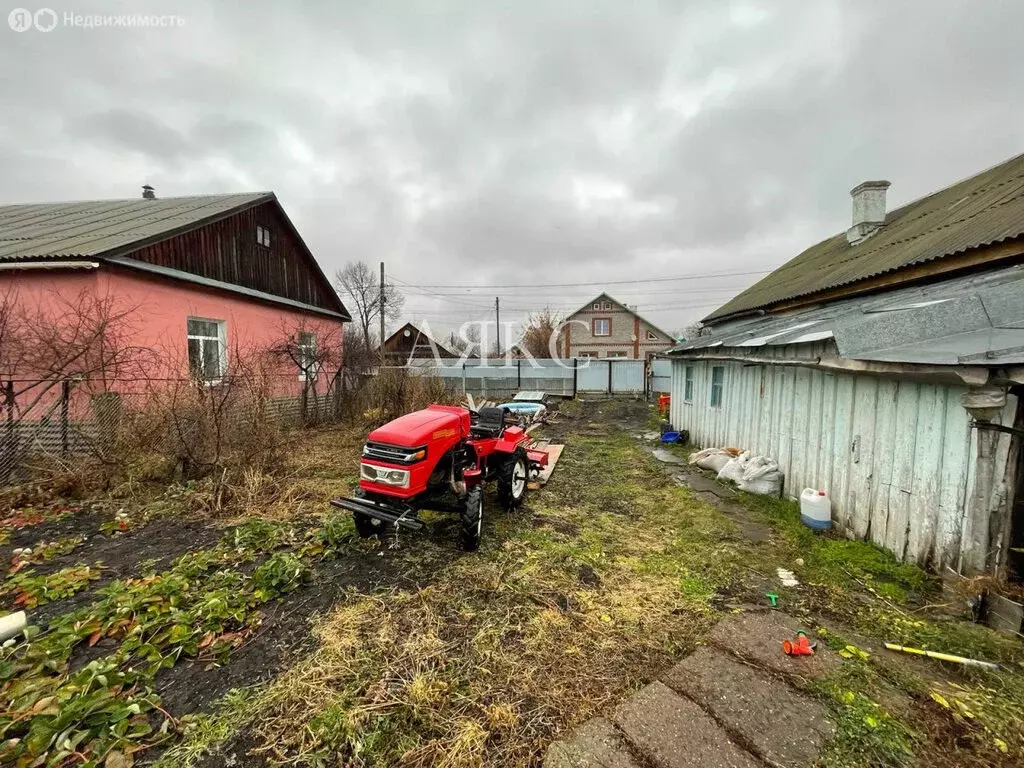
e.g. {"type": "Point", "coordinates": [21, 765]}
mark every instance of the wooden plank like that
{"type": "Point", "coordinates": [862, 446]}
{"type": "Point", "coordinates": [554, 454]}
{"type": "Point", "coordinates": [884, 451]}
{"type": "Point", "coordinates": [924, 503]}
{"type": "Point", "coordinates": [897, 525]}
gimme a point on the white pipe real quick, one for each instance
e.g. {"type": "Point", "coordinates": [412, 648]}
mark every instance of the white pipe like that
{"type": "Point", "coordinates": [11, 625]}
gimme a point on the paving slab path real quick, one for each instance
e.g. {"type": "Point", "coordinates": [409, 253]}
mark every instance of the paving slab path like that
{"type": "Point", "coordinates": [733, 704]}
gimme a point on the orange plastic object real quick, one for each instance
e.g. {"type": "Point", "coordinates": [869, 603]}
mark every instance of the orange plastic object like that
{"type": "Point", "coordinates": [801, 647]}
{"type": "Point", "coordinates": [664, 401]}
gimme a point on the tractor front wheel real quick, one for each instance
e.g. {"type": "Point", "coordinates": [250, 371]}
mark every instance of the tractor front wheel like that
{"type": "Point", "coordinates": [471, 518]}
{"type": "Point", "coordinates": [512, 480]}
{"type": "Point", "coordinates": [366, 526]}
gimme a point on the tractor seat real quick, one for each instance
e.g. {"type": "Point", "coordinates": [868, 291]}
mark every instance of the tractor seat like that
{"type": "Point", "coordinates": [489, 422]}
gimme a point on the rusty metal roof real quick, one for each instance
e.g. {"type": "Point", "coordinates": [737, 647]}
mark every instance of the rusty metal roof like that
{"type": "Point", "coordinates": [96, 227]}
{"type": "Point", "coordinates": [982, 210]}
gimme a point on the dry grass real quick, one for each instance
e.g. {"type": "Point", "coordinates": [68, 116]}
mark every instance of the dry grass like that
{"type": "Point", "coordinates": [611, 575]}
{"type": "Point", "coordinates": [545, 627]}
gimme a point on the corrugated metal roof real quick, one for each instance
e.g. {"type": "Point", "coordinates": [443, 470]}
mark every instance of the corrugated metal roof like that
{"type": "Point", "coordinates": [982, 210]}
{"type": "Point", "coordinates": [92, 228]}
{"type": "Point", "coordinates": [969, 320]}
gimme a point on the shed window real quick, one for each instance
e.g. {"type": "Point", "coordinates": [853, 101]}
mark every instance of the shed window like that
{"type": "Point", "coordinates": [602, 326]}
{"type": "Point", "coordinates": [263, 236]}
{"type": "Point", "coordinates": [688, 384]}
{"type": "Point", "coordinates": [307, 355]}
{"type": "Point", "coordinates": [207, 342]}
{"type": "Point", "coordinates": [717, 385]}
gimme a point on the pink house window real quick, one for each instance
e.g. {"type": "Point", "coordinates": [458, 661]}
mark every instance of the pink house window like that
{"type": "Point", "coordinates": [207, 345]}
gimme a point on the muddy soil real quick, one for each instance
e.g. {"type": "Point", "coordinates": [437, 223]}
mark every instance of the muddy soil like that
{"type": "Point", "coordinates": [122, 555]}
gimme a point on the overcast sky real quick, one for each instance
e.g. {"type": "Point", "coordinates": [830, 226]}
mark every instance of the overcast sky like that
{"type": "Point", "coordinates": [496, 144]}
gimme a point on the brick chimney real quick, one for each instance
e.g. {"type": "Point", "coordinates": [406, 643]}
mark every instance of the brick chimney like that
{"type": "Point", "coordinates": [868, 210]}
{"type": "Point", "coordinates": [148, 193]}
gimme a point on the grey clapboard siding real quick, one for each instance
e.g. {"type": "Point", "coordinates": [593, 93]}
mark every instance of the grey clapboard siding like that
{"type": "Point", "coordinates": [895, 456]}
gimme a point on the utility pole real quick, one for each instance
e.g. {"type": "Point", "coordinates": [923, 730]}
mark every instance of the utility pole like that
{"type": "Point", "coordinates": [497, 320]}
{"type": "Point", "coordinates": [383, 301]}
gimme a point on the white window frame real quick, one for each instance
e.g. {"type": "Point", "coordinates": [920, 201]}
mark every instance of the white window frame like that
{"type": "Point", "coordinates": [307, 348]}
{"type": "Point", "coordinates": [608, 326]}
{"type": "Point", "coordinates": [607, 305]}
{"type": "Point", "coordinates": [586, 355]}
{"type": "Point", "coordinates": [597, 306]}
{"type": "Point", "coordinates": [615, 354]}
{"type": "Point", "coordinates": [720, 384]}
{"type": "Point", "coordinates": [688, 384]}
{"type": "Point", "coordinates": [652, 336]}
{"type": "Point", "coordinates": [262, 236]}
{"type": "Point", "coordinates": [222, 349]}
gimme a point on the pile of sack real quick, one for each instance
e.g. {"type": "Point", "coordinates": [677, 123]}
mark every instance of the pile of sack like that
{"type": "Point", "coordinates": [754, 474]}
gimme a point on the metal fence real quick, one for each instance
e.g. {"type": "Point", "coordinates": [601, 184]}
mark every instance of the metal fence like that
{"type": "Point", "coordinates": [500, 379]}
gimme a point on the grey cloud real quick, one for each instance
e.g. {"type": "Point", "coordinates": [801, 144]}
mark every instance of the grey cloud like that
{"type": "Point", "coordinates": [495, 143]}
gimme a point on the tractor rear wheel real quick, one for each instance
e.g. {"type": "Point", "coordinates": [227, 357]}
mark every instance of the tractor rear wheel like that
{"type": "Point", "coordinates": [471, 518]}
{"type": "Point", "coordinates": [512, 480]}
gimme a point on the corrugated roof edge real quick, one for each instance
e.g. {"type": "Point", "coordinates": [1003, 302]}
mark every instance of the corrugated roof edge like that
{"type": "Point", "coordinates": [766, 306]}
{"type": "Point", "coordinates": [259, 199]}
{"type": "Point", "coordinates": [715, 316]}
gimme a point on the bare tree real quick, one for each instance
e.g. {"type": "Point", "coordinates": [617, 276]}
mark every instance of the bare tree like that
{"type": "Point", "coordinates": [694, 331]}
{"type": "Point", "coordinates": [362, 286]}
{"type": "Point", "coordinates": [315, 351]}
{"type": "Point", "coordinates": [537, 332]}
{"type": "Point", "coordinates": [465, 341]}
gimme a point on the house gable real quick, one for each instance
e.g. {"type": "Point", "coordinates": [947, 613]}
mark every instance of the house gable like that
{"type": "Point", "coordinates": [243, 241]}
{"type": "Point", "coordinates": [409, 341]}
{"type": "Point", "coordinates": [627, 331]}
{"type": "Point", "coordinates": [233, 250]}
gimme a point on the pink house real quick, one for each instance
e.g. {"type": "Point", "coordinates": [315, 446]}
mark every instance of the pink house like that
{"type": "Point", "coordinates": [184, 289]}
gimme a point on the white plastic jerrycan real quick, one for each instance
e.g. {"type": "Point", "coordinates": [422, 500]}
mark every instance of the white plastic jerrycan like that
{"type": "Point", "coordinates": [816, 509]}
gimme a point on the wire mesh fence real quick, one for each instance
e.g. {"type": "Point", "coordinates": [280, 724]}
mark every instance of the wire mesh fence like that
{"type": "Point", "coordinates": [45, 424]}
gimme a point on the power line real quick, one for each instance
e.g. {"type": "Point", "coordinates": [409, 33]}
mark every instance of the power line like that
{"type": "Point", "coordinates": [703, 276]}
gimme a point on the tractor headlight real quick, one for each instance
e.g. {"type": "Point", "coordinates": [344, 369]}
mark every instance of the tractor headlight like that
{"type": "Point", "coordinates": [396, 477]}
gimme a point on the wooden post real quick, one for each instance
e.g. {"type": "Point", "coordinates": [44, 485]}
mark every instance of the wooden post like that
{"type": "Point", "coordinates": [65, 401]}
{"type": "Point", "coordinates": [9, 452]}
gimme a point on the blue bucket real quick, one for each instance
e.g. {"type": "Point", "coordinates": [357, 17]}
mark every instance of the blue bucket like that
{"type": "Point", "coordinates": [670, 437]}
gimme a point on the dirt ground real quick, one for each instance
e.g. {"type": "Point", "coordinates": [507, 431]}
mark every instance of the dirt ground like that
{"type": "Point", "coordinates": [409, 652]}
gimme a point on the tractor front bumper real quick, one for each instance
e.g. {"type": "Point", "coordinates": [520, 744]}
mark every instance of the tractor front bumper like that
{"type": "Point", "coordinates": [390, 513]}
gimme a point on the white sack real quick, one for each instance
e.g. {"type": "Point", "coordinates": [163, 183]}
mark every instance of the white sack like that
{"type": "Point", "coordinates": [761, 476]}
{"type": "Point", "coordinates": [734, 468]}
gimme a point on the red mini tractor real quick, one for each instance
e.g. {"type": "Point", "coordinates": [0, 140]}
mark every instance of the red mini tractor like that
{"type": "Point", "coordinates": [419, 459]}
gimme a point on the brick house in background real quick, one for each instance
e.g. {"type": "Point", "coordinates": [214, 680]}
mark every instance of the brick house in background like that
{"type": "Point", "coordinates": [195, 279]}
{"type": "Point", "coordinates": [604, 327]}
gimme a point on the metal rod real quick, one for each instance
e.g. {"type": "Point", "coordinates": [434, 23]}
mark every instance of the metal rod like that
{"type": "Point", "coordinates": [943, 656]}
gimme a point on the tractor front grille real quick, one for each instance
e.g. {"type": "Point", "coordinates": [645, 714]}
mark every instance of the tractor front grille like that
{"type": "Point", "coordinates": [394, 454]}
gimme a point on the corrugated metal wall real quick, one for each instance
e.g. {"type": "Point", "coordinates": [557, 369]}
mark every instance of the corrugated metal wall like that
{"type": "Point", "coordinates": [894, 455]}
